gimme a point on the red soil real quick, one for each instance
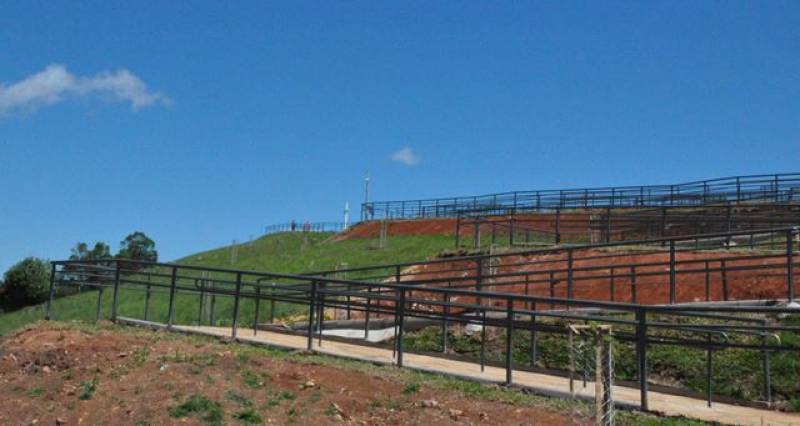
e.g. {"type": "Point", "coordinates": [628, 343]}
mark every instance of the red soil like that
{"type": "Point", "coordinates": [652, 281]}
{"type": "Point", "coordinates": [46, 376]}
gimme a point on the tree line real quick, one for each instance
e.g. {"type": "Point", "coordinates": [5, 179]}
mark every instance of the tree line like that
{"type": "Point", "coordinates": [28, 281]}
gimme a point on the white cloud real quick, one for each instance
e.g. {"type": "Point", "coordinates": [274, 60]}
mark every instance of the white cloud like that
{"type": "Point", "coordinates": [406, 156]}
{"type": "Point", "coordinates": [54, 84]}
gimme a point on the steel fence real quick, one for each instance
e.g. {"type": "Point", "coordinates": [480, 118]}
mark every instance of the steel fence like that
{"type": "Point", "coordinates": [784, 187]}
{"type": "Point", "coordinates": [478, 300]}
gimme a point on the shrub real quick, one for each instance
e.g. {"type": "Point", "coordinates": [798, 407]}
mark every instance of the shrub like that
{"type": "Point", "coordinates": [26, 283]}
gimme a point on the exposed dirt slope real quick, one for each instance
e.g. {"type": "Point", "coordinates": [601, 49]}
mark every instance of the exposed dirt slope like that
{"type": "Point", "coordinates": [652, 282]}
{"type": "Point", "coordinates": [54, 374]}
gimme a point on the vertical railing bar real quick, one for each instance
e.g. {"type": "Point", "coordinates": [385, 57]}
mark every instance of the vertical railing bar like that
{"type": "Point", "coordinates": [236, 298]}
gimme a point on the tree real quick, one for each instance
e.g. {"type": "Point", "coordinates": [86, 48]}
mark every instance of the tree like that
{"type": "Point", "coordinates": [25, 283]}
{"type": "Point", "coordinates": [138, 246]}
{"type": "Point", "coordinates": [101, 251]}
{"type": "Point", "coordinates": [94, 271]}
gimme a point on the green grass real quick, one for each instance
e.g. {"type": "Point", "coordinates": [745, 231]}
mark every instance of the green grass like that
{"type": "Point", "coordinates": [280, 253]}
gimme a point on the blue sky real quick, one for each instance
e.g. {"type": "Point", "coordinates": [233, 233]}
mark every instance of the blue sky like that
{"type": "Point", "coordinates": [202, 122]}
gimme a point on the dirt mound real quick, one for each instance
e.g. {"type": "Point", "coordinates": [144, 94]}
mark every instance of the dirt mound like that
{"type": "Point", "coordinates": [108, 375]}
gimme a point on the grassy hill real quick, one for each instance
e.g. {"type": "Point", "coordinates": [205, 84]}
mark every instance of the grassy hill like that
{"type": "Point", "coordinates": [281, 253]}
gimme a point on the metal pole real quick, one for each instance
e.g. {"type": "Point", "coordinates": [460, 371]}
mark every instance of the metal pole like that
{"type": "Point", "coordinates": [258, 309]}
{"type": "Point", "coordinates": [115, 299]}
{"type": "Point", "coordinates": [611, 284]}
{"type": "Point", "coordinates": [570, 289]}
{"type": "Point", "coordinates": [790, 265]}
{"type": "Point", "coordinates": [708, 372]}
{"type": "Point", "coordinates": [52, 294]}
{"type": "Point", "coordinates": [147, 299]}
{"type": "Point", "coordinates": [483, 340]}
{"type": "Point", "coordinates": [236, 304]}
{"type": "Point", "coordinates": [509, 337]}
{"type": "Point", "coordinates": [641, 354]}
{"type": "Point", "coordinates": [401, 321]}
{"type": "Point", "coordinates": [558, 226]}
{"type": "Point", "coordinates": [98, 311]}
{"type": "Point", "coordinates": [724, 281]}
{"type": "Point", "coordinates": [366, 314]}
{"type": "Point", "coordinates": [311, 307]}
{"type": "Point", "coordinates": [172, 290]}
{"type": "Point", "coordinates": [672, 272]}
{"type": "Point", "coordinates": [272, 304]}
{"type": "Point", "coordinates": [446, 311]}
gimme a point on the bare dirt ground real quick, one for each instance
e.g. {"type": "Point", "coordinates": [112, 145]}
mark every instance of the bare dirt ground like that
{"type": "Point", "coordinates": [86, 375]}
{"type": "Point", "coordinates": [595, 284]}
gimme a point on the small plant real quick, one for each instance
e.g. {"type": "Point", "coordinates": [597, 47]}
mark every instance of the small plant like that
{"type": "Point", "coordinates": [243, 357]}
{"type": "Point", "coordinates": [240, 399]}
{"type": "Point", "coordinates": [140, 355]}
{"type": "Point", "coordinates": [331, 411]}
{"type": "Point", "coordinates": [87, 389]}
{"type": "Point", "coordinates": [248, 416]}
{"type": "Point", "coordinates": [36, 391]}
{"type": "Point", "coordinates": [411, 389]}
{"type": "Point", "coordinates": [212, 411]}
{"type": "Point", "coordinates": [251, 380]}
{"type": "Point", "coordinates": [287, 395]}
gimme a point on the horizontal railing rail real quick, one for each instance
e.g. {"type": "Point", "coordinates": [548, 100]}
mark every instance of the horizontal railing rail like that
{"type": "Point", "coordinates": [784, 187]}
{"type": "Point", "coordinates": [640, 325]}
{"type": "Point", "coordinates": [305, 227]}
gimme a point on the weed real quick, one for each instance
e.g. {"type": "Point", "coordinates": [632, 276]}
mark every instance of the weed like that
{"type": "Point", "coordinates": [238, 398]}
{"type": "Point", "coordinates": [36, 391]}
{"type": "Point", "coordinates": [331, 411]}
{"type": "Point", "coordinates": [288, 395]}
{"type": "Point", "coordinates": [248, 416]}
{"type": "Point", "coordinates": [411, 389]}
{"type": "Point", "coordinates": [212, 411]}
{"type": "Point", "coordinates": [251, 380]}
{"type": "Point", "coordinates": [87, 389]}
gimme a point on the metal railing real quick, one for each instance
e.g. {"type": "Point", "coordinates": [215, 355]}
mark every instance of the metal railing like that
{"type": "Point", "coordinates": [607, 225]}
{"type": "Point", "coordinates": [719, 260]}
{"type": "Point", "coordinates": [305, 227]}
{"type": "Point", "coordinates": [462, 300]}
{"type": "Point", "coordinates": [783, 187]}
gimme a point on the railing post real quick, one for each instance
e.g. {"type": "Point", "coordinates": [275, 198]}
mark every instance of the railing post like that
{"type": "Point", "coordinates": [509, 338]}
{"type": "Point", "coordinates": [641, 355]}
{"type": "Point", "coordinates": [236, 295]}
{"type": "Point", "coordinates": [570, 286]}
{"type": "Point", "coordinates": [458, 231]}
{"type": "Point", "coordinates": [51, 295]}
{"type": "Point", "coordinates": [98, 309]}
{"type": "Point", "coordinates": [258, 310]}
{"type": "Point", "coordinates": [672, 292]}
{"type": "Point", "coordinates": [172, 290]}
{"type": "Point", "coordinates": [401, 311]}
{"type": "Point", "coordinates": [558, 226]}
{"type": "Point", "coordinates": [790, 265]}
{"type": "Point", "coordinates": [115, 298]}
{"type": "Point", "coordinates": [147, 299]}
{"type": "Point", "coordinates": [311, 308]}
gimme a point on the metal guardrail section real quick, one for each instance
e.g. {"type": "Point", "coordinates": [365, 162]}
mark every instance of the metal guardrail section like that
{"type": "Point", "coordinates": [783, 187]}
{"type": "Point", "coordinates": [305, 227]}
{"type": "Point", "coordinates": [709, 328]}
{"type": "Point", "coordinates": [607, 225]}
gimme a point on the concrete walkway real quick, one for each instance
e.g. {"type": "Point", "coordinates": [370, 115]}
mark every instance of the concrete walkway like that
{"type": "Point", "coordinates": [541, 383]}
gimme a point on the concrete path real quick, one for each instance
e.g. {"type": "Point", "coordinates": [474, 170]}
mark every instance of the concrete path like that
{"type": "Point", "coordinates": [541, 383]}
